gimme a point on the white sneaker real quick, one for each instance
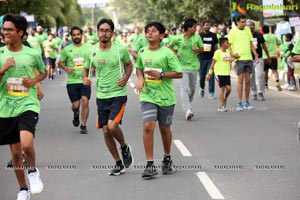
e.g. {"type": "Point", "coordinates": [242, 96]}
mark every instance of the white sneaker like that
{"type": "Point", "coordinates": [23, 195]}
{"type": "Point", "coordinates": [292, 88]}
{"type": "Point", "coordinates": [189, 114]}
{"type": "Point", "coordinates": [285, 86]}
{"type": "Point", "coordinates": [35, 181]}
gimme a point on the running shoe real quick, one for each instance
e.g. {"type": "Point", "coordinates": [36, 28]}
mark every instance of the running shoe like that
{"type": "Point", "coordinates": [167, 167]}
{"type": "Point", "coordinates": [10, 165]}
{"type": "Point", "coordinates": [117, 170]}
{"type": "Point", "coordinates": [285, 86]}
{"type": "Point", "coordinates": [149, 172]}
{"type": "Point", "coordinates": [23, 195]}
{"type": "Point", "coordinates": [189, 114]}
{"type": "Point", "coordinates": [222, 109]}
{"type": "Point", "coordinates": [239, 107]}
{"type": "Point", "coordinates": [248, 106]}
{"type": "Point", "coordinates": [35, 181]}
{"type": "Point", "coordinates": [83, 129]}
{"type": "Point", "coordinates": [261, 97]}
{"type": "Point", "coordinates": [201, 92]}
{"type": "Point", "coordinates": [127, 156]}
{"type": "Point", "coordinates": [278, 87]}
{"type": "Point", "coordinates": [211, 96]}
{"type": "Point", "coordinates": [254, 97]}
{"type": "Point", "coordinates": [76, 121]}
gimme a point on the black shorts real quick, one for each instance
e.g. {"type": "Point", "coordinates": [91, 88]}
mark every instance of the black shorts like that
{"type": "Point", "coordinates": [76, 91]}
{"type": "Point", "coordinates": [10, 127]}
{"type": "Point", "coordinates": [111, 109]}
{"type": "Point", "coordinates": [223, 81]}
{"type": "Point", "coordinates": [51, 62]}
{"type": "Point", "coordinates": [273, 65]}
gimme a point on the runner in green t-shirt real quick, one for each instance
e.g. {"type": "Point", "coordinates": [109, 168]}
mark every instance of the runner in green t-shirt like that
{"type": "Point", "coordinates": [240, 40]}
{"type": "Point", "coordinates": [72, 61]}
{"type": "Point", "coordinates": [296, 51]}
{"type": "Point", "coordinates": [91, 37]}
{"type": "Point", "coordinates": [156, 67]}
{"type": "Point", "coordinates": [50, 49]}
{"type": "Point", "coordinates": [113, 69]}
{"type": "Point", "coordinates": [19, 104]}
{"type": "Point", "coordinates": [220, 66]}
{"type": "Point", "coordinates": [34, 40]}
{"type": "Point", "coordinates": [272, 43]}
{"type": "Point", "coordinates": [189, 45]}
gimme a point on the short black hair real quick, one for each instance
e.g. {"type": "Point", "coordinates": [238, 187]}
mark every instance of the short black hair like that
{"type": "Point", "coordinates": [19, 21]}
{"type": "Point", "coordinates": [238, 18]}
{"type": "Point", "coordinates": [205, 22]}
{"type": "Point", "coordinates": [159, 26]}
{"type": "Point", "coordinates": [222, 40]}
{"type": "Point", "coordinates": [266, 29]}
{"type": "Point", "coordinates": [76, 28]}
{"type": "Point", "coordinates": [189, 23]}
{"type": "Point", "coordinates": [289, 35]}
{"type": "Point", "coordinates": [107, 21]}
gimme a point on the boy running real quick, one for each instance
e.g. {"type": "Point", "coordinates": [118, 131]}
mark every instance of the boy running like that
{"type": "Point", "coordinates": [221, 67]}
{"type": "Point", "coordinates": [156, 66]}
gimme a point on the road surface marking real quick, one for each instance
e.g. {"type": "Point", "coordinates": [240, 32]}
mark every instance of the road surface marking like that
{"type": "Point", "coordinates": [184, 151]}
{"type": "Point", "coordinates": [209, 186]}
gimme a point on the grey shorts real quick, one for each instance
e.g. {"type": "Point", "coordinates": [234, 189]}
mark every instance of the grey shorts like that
{"type": "Point", "coordinates": [244, 66]}
{"type": "Point", "coordinates": [153, 112]}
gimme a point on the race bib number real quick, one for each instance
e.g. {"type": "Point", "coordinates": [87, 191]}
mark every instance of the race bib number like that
{"type": "Point", "coordinates": [207, 47]}
{"type": "Point", "coordinates": [150, 79]}
{"type": "Point", "coordinates": [15, 87]}
{"type": "Point", "coordinates": [226, 58]}
{"type": "Point", "coordinates": [78, 63]}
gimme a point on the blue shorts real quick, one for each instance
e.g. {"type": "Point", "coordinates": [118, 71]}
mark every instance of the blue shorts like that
{"type": "Point", "coordinates": [111, 109]}
{"type": "Point", "coordinates": [78, 90]}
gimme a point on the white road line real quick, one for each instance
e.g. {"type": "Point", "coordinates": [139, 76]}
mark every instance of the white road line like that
{"type": "Point", "coordinates": [184, 151]}
{"type": "Point", "coordinates": [209, 186]}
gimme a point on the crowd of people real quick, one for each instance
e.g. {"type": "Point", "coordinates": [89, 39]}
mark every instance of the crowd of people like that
{"type": "Point", "coordinates": [158, 56]}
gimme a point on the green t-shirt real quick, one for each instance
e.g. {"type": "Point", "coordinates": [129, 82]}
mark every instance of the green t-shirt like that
{"type": "Point", "coordinates": [49, 51]}
{"type": "Point", "coordinates": [92, 39]}
{"type": "Point", "coordinates": [240, 42]}
{"type": "Point", "coordinates": [222, 65]}
{"type": "Point", "coordinates": [15, 98]}
{"type": "Point", "coordinates": [74, 58]}
{"type": "Point", "coordinates": [43, 36]}
{"type": "Point", "coordinates": [140, 43]}
{"type": "Point", "coordinates": [108, 69]}
{"type": "Point", "coordinates": [271, 42]}
{"type": "Point", "coordinates": [296, 49]}
{"type": "Point", "coordinates": [35, 42]}
{"type": "Point", "coordinates": [159, 92]}
{"type": "Point", "coordinates": [188, 58]}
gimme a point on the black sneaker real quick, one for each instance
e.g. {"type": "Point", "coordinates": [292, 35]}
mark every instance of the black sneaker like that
{"type": "Point", "coordinates": [167, 167]}
{"type": "Point", "coordinates": [76, 121]}
{"type": "Point", "coordinates": [127, 157]}
{"type": "Point", "coordinates": [119, 169]}
{"type": "Point", "coordinates": [149, 172]}
{"type": "Point", "coordinates": [83, 129]}
{"type": "Point", "coordinates": [10, 165]}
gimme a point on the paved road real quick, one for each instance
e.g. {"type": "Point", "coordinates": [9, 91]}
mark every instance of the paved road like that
{"type": "Point", "coordinates": [249, 155]}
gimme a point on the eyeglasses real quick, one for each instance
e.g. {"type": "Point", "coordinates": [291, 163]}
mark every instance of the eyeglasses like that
{"type": "Point", "coordinates": [104, 31]}
{"type": "Point", "coordinates": [8, 30]}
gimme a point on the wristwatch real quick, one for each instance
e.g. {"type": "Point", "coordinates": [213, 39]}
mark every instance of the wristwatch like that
{"type": "Point", "coordinates": [162, 75]}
